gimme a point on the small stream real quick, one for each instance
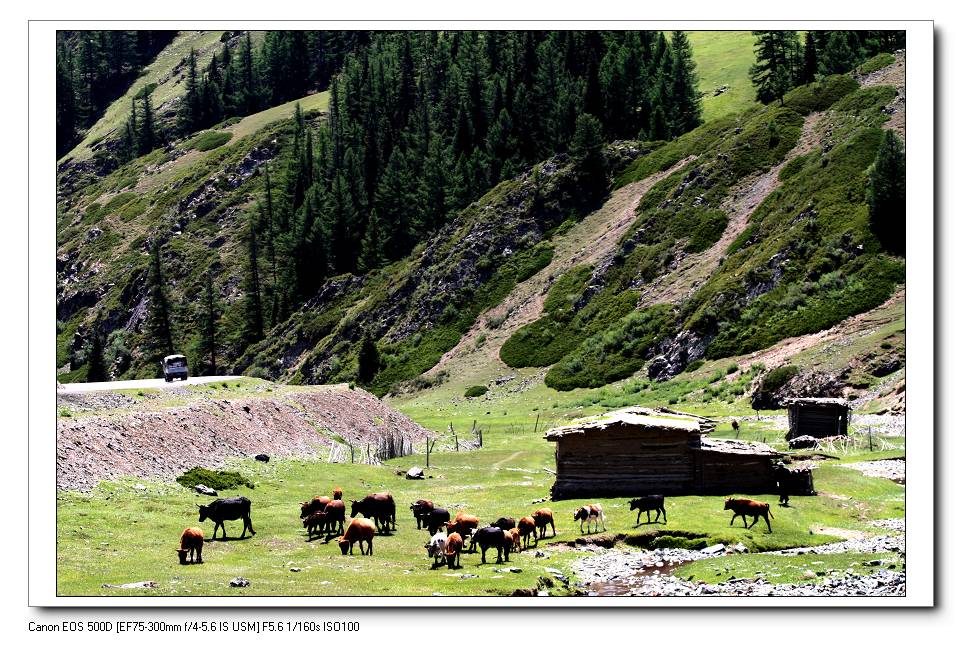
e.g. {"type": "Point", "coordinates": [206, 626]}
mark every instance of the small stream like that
{"type": "Point", "coordinates": [621, 572]}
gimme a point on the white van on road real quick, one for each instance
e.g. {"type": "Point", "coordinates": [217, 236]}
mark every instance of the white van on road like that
{"type": "Point", "coordinates": [175, 367]}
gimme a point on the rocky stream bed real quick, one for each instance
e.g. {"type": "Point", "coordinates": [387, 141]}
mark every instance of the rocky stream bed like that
{"type": "Point", "coordinates": [613, 572]}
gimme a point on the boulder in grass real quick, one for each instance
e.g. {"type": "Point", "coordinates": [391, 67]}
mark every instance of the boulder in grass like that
{"type": "Point", "coordinates": [803, 442]}
{"type": "Point", "coordinates": [262, 458]}
{"type": "Point", "coordinates": [200, 488]}
{"type": "Point", "coordinates": [239, 582]}
{"type": "Point", "coordinates": [414, 473]}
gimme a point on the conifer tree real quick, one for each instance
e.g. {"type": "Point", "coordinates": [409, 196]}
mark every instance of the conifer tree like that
{"type": "Point", "coordinates": [587, 151]}
{"type": "Point", "coordinates": [368, 360]}
{"type": "Point", "coordinates": [209, 316]}
{"type": "Point", "coordinates": [772, 73]}
{"type": "Point", "coordinates": [159, 327]}
{"type": "Point", "coordinates": [685, 101]}
{"type": "Point", "coordinates": [809, 60]}
{"type": "Point", "coordinates": [885, 194]}
{"type": "Point", "coordinates": [96, 364]}
{"type": "Point", "coordinates": [837, 57]}
{"type": "Point", "coordinates": [253, 310]}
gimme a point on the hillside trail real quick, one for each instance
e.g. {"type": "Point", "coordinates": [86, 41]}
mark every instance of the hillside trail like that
{"type": "Point", "coordinates": [591, 241]}
{"type": "Point", "coordinates": [689, 272]}
{"type": "Point", "coordinates": [893, 75]}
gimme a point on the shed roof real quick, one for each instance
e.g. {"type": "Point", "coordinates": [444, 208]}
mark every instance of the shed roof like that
{"type": "Point", "coordinates": [728, 446]}
{"type": "Point", "coordinates": [820, 402]}
{"type": "Point", "coordinates": [633, 417]}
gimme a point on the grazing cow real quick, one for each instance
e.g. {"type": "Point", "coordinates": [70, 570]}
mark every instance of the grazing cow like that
{"type": "Point", "coordinates": [360, 531]}
{"type": "Point", "coordinates": [334, 517]}
{"type": "Point", "coordinates": [463, 524]}
{"type": "Point", "coordinates": [421, 509]}
{"type": "Point", "coordinates": [338, 494]}
{"type": "Point", "coordinates": [191, 541]}
{"type": "Point", "coordinates": [452, 550]}
{"type": "Point", "coordinates": [505, 523]}
{"type": "Point", "coordinates": [514, 539]}
{"type": "Point", "coordinates": [491, 537]}
{"type": "Point", "coordinates": [542, 518]}
{"type": "Point", "coordinates": [436, 519]}
{"type": "Point", "coordinates": [436, 548]}
{"type": "Point", "coordinates": [223, 510]}
{"type": "Point", "coordinates": [590, 512]}
{"type": "Point", "coordinates": [527, 530]}
{"type": "Point", "coordinates": [743, 507]}
{"type": "Point", "coordinates": [647, 504]}
{"type": "Point", "coordinates": [379, 507]}
{"type": "Point", "coordinates": [315, 522]}
{"type": "Point", "coordinates": [317, 504]}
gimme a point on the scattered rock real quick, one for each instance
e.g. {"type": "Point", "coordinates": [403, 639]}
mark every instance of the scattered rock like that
{"type": "Point", "coordinates": [414, 473]}
{"type": "Point", "coordinates": [739, 548]}
{"type": "Point", "coordinates": [717, 549]}
{"type": "Point", "coordinates": [239, 582]}
{"type": "Point", "coordinates": [132, 585]}
{"type": "Point", "coordinates": [295, 569]}
{"type": "Point", "coordinates": [200, 488]}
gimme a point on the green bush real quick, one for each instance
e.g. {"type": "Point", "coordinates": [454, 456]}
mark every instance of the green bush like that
{"type": "Point", "coordinates": [216, 479]}
{"type": "Point", "coordinates": [821, 94]}
{"type": "Point", "coordinates": [876, 63]}
{"type": "Point", "coordinates": [732, 368]}
{"type": "Point", "coordinates": [778, 377]}
{"type": "Point", "coordinates": [694, 366]}
{"type": "Point", "coordinates": [209, 140]}
{"type": "Point", "coordinates": [475, 391]}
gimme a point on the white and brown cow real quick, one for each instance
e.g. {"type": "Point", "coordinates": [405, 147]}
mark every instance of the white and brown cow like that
{"type": "Point", "coordinates": [590, 512]}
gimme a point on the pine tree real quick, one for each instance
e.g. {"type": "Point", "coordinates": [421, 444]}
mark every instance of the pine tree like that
{"type": "Point", "coordinates": [885, 194]}
{"type": "Point", "coordinates": [253, 310]}
{"type": "Point", "coordinates": [147, 136]}
{"type": "Point", "coordinates": [209, 316]}
{"type": "Point", "coordinates": [66, 101]}
{"type": "Point", "coordinates": [587, 147]}
{"type": "Point", "coordinates": [189, 116]}
{"type": "Point", "coordinates": [772, 73]}
{"type": "Point", "coordinates": [838, 56]}
{"type": "Point", "coordinates": [96, 364]}
{"type": "Point", "coordinates": [368, 360]}
{"type": "Point", "coordinates": [159, 327]}
{"type": "Point", "coordinates": [809, 60]}
{"type": "Point", "coordinates": [685, 100]}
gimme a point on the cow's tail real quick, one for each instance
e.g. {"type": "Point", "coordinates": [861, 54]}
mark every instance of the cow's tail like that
{"type": "Point", "coordinates": [768, 509]}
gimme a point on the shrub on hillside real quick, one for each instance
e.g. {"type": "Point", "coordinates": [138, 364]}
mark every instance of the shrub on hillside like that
{"type": "Point", "coordinates": [208, 141]}
{"type": "Point", "coordinates": [821, 94]}
{"type": "Point", "coordinates": [475, 391]}
{"type": "Point", "coordinates": [764, 396]}
{"type": "Point", "coordinates": [216, 479]}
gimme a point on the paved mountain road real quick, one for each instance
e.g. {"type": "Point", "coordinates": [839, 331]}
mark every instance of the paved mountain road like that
{"type": "Point", "coordinates": [159, 383]}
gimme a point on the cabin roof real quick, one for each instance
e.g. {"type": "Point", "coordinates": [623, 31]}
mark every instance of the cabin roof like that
{"type": "Point", "coordinates": [632, 417]}
{"type": "Point", "coordinates": [820, 402]}
{"type": "Point", "coordinates": [728, 446]}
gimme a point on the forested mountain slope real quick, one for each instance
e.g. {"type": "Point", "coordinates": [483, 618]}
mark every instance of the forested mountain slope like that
{"type": "Point", "coordinates": [397, 221]}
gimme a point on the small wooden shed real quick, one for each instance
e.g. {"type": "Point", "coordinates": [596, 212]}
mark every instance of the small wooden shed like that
{"type": "Point", "coordinates": [637, 451]}
{"type": "Point", "coordinates": [817, 417]}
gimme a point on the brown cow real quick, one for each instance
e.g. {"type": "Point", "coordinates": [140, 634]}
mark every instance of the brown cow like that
{"type": "Point", "coordinates": [589, 512]}
{"type": "Point", "coordinates": [463, 524]}
{"type": "Point", "coordinates": [452, 550]}
{"type": "Point", "coordinates": [743, 507]}
{"type": "Point", "coordinates": [360, 531]}
{"type": "Point", "coordinates": [379, 507]}
{"type": "Point", "coordinates": [526, 530]}
{"type": "Point", "coordinates": [334, 517]}
{"type": "Point", "coordinates": [338, 494]}
{"type": "Point", "coordinates": [317, 521]}
{"type": "Point", "coordinates": [317, 504]}
{"type": "Point", "coordinates": [191, 541]}
{"type": "Point", "coordinates": [422, 509]}
{"type": "Point", "coordinates": [542, 518]}
{"type": "Point", "coordinates": [515, 539]}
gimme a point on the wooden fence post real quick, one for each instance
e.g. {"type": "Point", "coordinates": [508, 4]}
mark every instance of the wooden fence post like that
{"type": "Point", "coordinates": [536, 421]}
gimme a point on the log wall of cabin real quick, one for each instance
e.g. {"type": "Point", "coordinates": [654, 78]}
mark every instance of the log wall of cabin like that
{"type": "Point", "coordinates": [727, 473]}
{"type": "Point", "coordinates": [817, 421]}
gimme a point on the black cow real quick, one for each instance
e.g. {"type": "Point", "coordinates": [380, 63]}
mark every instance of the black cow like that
{"type": "Point", "coordinates": [505, 523]}
{"type": "Point", "coordinates": [436, 519]}
{"type": "Point", "coordinates": [379, 507]}
{"type": "Point", "coordinates": [491, 537]}
{"type": "Point", "coordinates": [647, 504]}
{"type": "Point", "coordinates": [223, 510]}
{"type": "Point", "coordinates": [421, 509]}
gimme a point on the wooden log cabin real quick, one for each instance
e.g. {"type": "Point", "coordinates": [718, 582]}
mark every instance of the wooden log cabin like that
{"type": "Point", "coordinates": [817, 417]}
{"type": "Point", "coordinates": [638, 451]}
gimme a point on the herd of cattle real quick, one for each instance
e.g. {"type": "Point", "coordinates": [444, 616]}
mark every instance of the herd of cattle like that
{"type": "Point", "coordinates": [324, 515]}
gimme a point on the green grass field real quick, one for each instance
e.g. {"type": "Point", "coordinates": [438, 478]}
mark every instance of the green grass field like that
{"type": "Point", "coordinates": [724, 58]}
{"type": "Point", "coordinates": [119, 533]}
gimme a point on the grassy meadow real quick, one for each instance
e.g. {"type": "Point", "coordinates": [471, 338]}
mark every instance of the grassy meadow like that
{"type": "Point", "coordinates": [127, 530]}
